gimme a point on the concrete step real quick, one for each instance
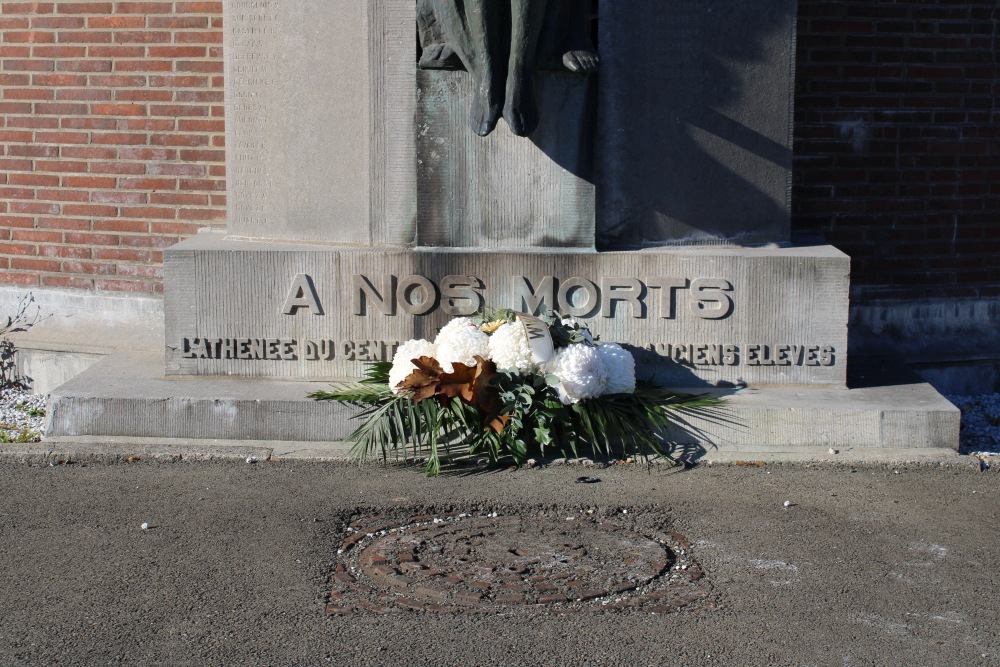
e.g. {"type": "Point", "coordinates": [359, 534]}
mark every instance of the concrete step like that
{"type": "Point", "coordinates": [73, 330]}
{"type": "Point", "coordinates": [125, 396]}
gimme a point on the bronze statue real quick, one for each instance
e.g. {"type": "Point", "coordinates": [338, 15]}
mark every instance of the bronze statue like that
{"type": "Point", "coordinates": [501, 43]}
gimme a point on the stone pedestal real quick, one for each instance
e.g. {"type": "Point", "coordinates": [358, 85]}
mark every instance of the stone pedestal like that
{"type": "Point", "coordinates": [693, 317]}
{"type": "Point", "coordinates": [320, 102]}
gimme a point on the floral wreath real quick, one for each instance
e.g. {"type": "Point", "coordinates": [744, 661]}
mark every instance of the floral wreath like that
{"type": "Point", "coordinates": [512, 385]}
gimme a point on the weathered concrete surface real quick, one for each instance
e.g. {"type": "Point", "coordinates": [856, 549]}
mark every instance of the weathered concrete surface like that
{"type": "Point", "coordinates": [695, 130]}
{"type": "Point", "coordinates": [110, 450]}
{"type": "Point", "coordinates": [770, 419]}
{"type": "Point", "coordinates": [952, 343]}
{"type": "Point", "coordinates": [75, 329]}
{"type": "Point", "coordinates": [126, 396]}
{"type": "Point", "coordinates": [43, 369]}
{"type": "Point", "coordinates": [666, 302]}
{"type": "Point", "coordinates": [867, 567]}
{"type": "Point", "coordinates": [320, 102]}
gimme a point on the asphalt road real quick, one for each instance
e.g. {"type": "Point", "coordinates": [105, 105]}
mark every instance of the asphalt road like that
{"type": "Point", "coordinates": [868, 566]}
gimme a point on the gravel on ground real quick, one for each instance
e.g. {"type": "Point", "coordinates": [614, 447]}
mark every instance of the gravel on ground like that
{"type": "Point", "coordinates": [22, 415]}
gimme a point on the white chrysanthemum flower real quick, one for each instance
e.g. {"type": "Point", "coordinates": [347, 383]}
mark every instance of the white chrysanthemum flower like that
{"type": "Point", "coordinates": [620, 365]}
{"type": "Point", "coordinates": [402, 361]}
{"type": "Point", "coordinates": [509, 349]}
{"type": "Point", "coordinates": [457, 323]}
{"type": "Point", "coordinates": [581, 373]}
{"type": "Point", "coordinates": [460, 344]}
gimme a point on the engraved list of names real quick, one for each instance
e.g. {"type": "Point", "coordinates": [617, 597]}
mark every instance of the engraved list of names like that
{"type": "Point", "coordinates": [251, 28]}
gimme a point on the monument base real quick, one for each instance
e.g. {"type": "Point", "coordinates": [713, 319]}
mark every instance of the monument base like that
{"type": "Point", "coordinates": [706, 316]}
{"type": "Point", "coordinates": [125, 399]}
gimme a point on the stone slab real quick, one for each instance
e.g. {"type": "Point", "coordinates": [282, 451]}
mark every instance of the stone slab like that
{"type": "Point", "coordinates": [41, 371]}
{"type": "Point", "coordinates": [903, 416]}
{"type": "Point", "coordinates": [112, 450]}
{"type": "Point", "coordinates": [126, 396]}
{"type": "Point", "coordinates": [320, 102]}
{"type": "Point", "coordinates": [695, 121]}
{"type": "Point", "coordinates": [821, 456]}
{"type": "Point", "coordinates": [505, 191]}
{"type": "Point", "coordinates": [100, 450]}
{"type": "Point", "coordinates": [87, 322]}
{"type": "Point", "coordinates": [694, 316]}
{"type": "Point", "coordinates": [76, 329]}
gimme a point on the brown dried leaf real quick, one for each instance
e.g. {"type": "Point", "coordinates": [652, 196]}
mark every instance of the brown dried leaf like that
{"type": "Point", "coordinates": [485, 389]}
{"type": "Point", "coordinates": [460, 382]}
{"type": "Point", "coordinates": [486, 395]}
{"type": "Point", "coordinates": [474, 385]}
{"type": "Point", "coordinates": [423, 381]}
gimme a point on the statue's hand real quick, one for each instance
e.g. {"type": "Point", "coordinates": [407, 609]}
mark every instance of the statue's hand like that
{"type": "Point", "coordinates": [439, 56]}
{"type": "Point", "coordinates": [582, 61]}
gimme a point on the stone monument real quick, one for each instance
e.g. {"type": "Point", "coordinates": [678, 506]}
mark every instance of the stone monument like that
{"type": "Point", "coordinates": [640, 180]}
{"type": "Point", "coordinates": [374, 196]}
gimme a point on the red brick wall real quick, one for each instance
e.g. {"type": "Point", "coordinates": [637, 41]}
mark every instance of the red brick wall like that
{"type": "Point", "coordinates": [111, 139]}
{"type": "Point", "coordinates": [897, 152]}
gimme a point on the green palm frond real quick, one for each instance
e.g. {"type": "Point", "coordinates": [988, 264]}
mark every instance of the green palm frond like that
{"type": "Point", "coordinates": [357, 393]}
{"type": "Point", "coordinates": [608, 427]}
{"type": "Point", "coordinates": [377, 373]}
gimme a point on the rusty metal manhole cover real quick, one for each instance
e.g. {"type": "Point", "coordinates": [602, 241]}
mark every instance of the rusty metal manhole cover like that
{"type": "Point", "coordinates": [468, 562]}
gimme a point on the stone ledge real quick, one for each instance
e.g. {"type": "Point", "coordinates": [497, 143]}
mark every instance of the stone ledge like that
{"type": "Point", "coordinates": [820, 456]}
{"type": "Point", "coordinates": [88, 323]}
{"type": "Point", "coordinates": [113, 450]}
{"type": "Point", "coordinates": [907, 416]}
{"type": "Point", "coordinates": [126, 396]}
{"type": "Point", "coordinates": [98, 450]}
{"type": "Point", "coordinates": [78, 329]}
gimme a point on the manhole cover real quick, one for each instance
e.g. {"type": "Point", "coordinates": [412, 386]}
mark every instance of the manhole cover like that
{"type": "Point", "coordinates": [466, 562]}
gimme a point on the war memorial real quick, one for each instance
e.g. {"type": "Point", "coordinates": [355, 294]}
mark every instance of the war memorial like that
{"type": "Point", "coordinates": [394, 164]}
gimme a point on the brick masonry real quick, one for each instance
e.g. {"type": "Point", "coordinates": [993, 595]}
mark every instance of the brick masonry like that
{"type": "Point", "coordinates": [897, 143]}
{"type": "Point", "coordinates": [112, 141]}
